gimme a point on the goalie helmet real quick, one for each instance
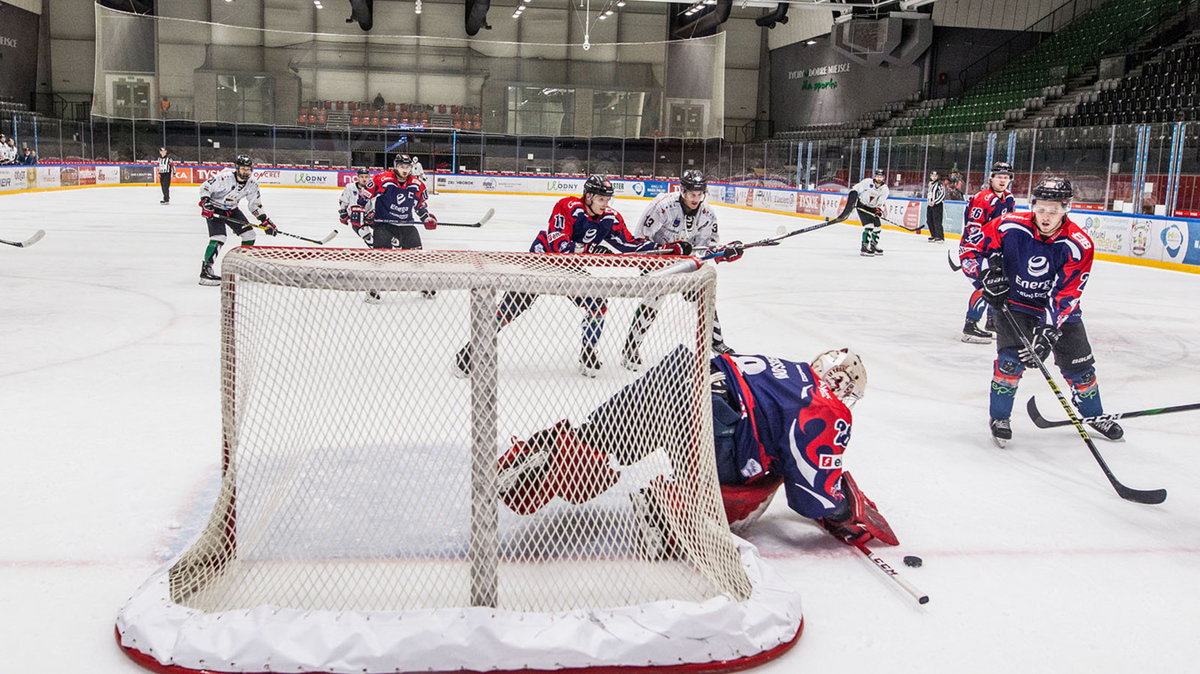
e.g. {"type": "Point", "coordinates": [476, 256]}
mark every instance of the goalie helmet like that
{"type": "Point", "coordinates": [598, 184]}
{"type": "Point", "coordinates": [843, 372]}
{"type": "Point", "coordinates": [693, 180]}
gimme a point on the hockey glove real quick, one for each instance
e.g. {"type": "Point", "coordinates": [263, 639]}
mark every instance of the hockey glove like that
{"type": "Point", "coordinates": [343, 217]}
{"type": "Point", "coordinates": [678, 248]}
{"type": "Point", "coordinates": [1043, 340]}
{"type": "Point", "coordinates": [430, 222]}
{"type": "Point", "coordinates": [857, 521]}
{"type": "Point", "coordinates": [731, 251]}
{"type": "Point", "coordinates": [206, 208]}
{"type": "Point", "coordinates": [357, 214]}
{"type": "Point", "coordinates": [268, 226]}
{"type": "Point", "coordinates": [994, 283]}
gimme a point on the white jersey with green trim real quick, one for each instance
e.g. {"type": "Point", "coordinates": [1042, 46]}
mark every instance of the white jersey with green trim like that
{"type": "Point", "coordinates": [664, 221]}
{"type": "Point", "coordinates": [225, 192]}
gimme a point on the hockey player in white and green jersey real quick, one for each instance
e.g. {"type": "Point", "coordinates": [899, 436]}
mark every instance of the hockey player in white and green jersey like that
{"type": "Point", "coordinates": [219, 199]}
{"type": "Point", "coordinates": [871, 194]}
{"type": "Point", "coordinates": [677, 217]}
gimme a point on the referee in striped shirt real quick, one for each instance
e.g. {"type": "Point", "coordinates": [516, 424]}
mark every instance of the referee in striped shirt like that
{"type": "Point", "coordinates": [166, 166]}
{"type": "Point", "coordinates": [935, 194]}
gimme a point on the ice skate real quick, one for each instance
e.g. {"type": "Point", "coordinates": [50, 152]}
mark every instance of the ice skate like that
{"type": "Point", "coordinates": [631, 357]}
{"type": "Point", "coordinates": [1110, 429]}
{"type": "Point", "coordinates": [876, 250]}
{"type": "Point", "coordinates": [971, 334]}
{"type": "Point", "coordinates": [462, 362]}
{"type": "Point", "coordinates": [1001, 432]}
{"type": "Point", "coordinates": [865, 251]}
{"type": "Point", "coordinates": [589, 363]}
{"type": "Point", "coordinates": [207, 277]}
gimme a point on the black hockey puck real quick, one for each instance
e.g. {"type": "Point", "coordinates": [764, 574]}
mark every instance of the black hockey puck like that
{"type": "Point", "coordinates": [912, 560]}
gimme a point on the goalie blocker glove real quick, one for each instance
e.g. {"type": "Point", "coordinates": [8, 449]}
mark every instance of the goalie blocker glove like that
{"type": "Point", "coordinates": [858, 521]}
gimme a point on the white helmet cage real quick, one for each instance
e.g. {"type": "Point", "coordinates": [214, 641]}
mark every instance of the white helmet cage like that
{"type": "Point", "coordinates": [843, 372]}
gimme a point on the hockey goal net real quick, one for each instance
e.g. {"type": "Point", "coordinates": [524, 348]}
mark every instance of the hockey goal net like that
{"type": "Point", "coordinates": [382, 510]}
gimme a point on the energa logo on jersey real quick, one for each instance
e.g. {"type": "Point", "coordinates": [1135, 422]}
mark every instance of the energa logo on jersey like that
{"type": "Point", "coordinates": [1038, 265]}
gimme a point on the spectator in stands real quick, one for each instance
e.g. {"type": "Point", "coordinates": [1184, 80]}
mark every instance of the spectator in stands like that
{"type": "Point", "coordinates": [955, 186]}
{"type": "Point", "coordinates": [27, 157]}
{"type": "Point", "coordinates": [378, 101]}
{"type": "Point", "coordinates": [5, 156]}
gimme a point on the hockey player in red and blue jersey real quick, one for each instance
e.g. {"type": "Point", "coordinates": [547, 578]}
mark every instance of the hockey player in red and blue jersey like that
{"type": "Point", "coordinates": [584, 224]}
{"type": "Point", "coordinates": [775, 422]}
{"type": "Point", "coordinates": [994, 201]}
{"type": "Point", "coordinates": [1038, 264]}
{"type": "Point", "coordinates": [398, 204]}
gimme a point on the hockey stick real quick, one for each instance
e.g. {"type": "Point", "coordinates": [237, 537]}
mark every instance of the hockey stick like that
{"type": "Point", "coordinates": [892, 573]}
{"type": "Point", "coordinates": [1042, 422]}
{"type": "Point", "coordinates": [891, 222]}
{"type": "Point", "coordinates": [479, 223]}
{"type": "Point", "coordinates": [320, 242]}
{"type": "Point", "coordinates": [1152, 496]}
{"type": "Point", "coordinates": [774, 240]}
{"type": "Point", "coordinates": [37, 236]}
{"type": "Point", "coordinates": [954, 266]}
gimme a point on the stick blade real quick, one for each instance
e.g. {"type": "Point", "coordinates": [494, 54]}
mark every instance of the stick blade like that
{"type": "Point", "coordinates": [486, 216]}
{"type": "Point", "coordinates": [1035, 415]}
{"type": "Point", "coordinates": [328, 237]}
{"type": "Point", "coordinates": [37, 236]}
{"type": "Point", "coordinates": [1146, 496]}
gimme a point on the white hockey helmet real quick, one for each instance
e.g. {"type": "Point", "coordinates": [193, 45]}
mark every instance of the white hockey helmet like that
{"type": "Point", "coordinates": [843, 372]}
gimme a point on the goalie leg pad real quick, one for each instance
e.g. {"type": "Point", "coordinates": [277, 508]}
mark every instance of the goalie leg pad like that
{"type": "Point", "coordinates": [524, 474]}
{"type": "Point", "coordinates": [745, 503]}
{"type": "Point", "coordinates": [580, 473]}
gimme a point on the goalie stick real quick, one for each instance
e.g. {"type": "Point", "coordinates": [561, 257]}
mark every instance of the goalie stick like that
{"type": "Point", "coordinates": [37, 236]}
{"type": "Point", "coordinates": [1042, 422]}
{"type": "Point", "coordinates": [1153, 496]}
{"type": "Point", "coordinates": [478, 223]}
{"type": "Point", "coordinates": [892, 573]}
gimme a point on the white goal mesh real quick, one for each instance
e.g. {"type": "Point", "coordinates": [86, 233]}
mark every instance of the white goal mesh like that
{"type": "Point", "coordinates": [387, 505]}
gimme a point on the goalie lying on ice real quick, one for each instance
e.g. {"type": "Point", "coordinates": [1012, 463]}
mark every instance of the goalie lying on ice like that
{"type": "Point", "coordinates": [775, 422]}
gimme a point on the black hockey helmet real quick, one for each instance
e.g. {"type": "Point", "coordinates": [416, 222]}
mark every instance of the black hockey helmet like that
{"type": "Point", "coordinates": [402, 160]}
{"type": "Point", "coordinates": [243, 160]}
{"type": "Point", "coordinates": [693, 180]}
{"type": "Point", "coordinates": [598, 184]}
{"type": "Point", "coordinates": [1053, 189]}
{"type": "Point", "coordinates": [1002, 168]}
{"type": "Point", "coordinates": [880, 172]}
{"type": "Point", "coordinates": [364, 171]}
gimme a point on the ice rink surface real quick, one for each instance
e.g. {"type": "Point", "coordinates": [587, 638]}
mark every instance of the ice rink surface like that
{"type": "Point", "coordinates": [110, 404]}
